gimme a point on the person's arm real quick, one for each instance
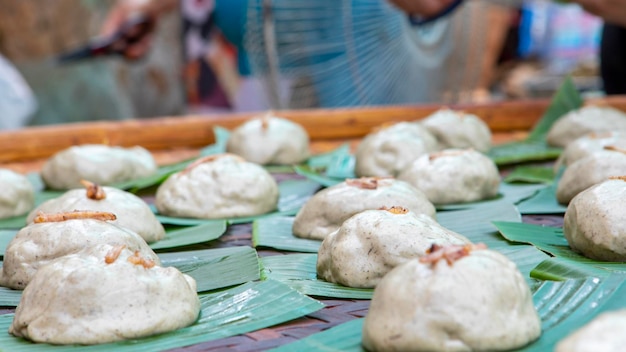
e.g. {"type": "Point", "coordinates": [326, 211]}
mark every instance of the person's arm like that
{"type": "Point", "coordinates": [123, 10]}
{"type": "Point", "coordinates": [612, 11]}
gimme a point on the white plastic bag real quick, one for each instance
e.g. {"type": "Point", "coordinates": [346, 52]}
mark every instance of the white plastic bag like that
{"type": "Point", "coordinates": [17, 102]}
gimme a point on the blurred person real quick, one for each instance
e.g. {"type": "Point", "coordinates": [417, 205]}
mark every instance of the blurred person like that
{"type": "Point", "coordinates": [17, 103]}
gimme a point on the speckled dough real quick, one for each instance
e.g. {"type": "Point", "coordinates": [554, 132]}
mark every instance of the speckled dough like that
{"type": "Point", "coordinates": [589, 144]}
{"type": "Point", "coordinates": [36, 245]}
{"type": "Point", "coordinates": [589, 171]}
{"type": "Point", "coordinates": [17, 196]}
{"type": "Point", "coordinates": [604, 333]}
{"type": "Point", "coordinates": [270, 140]}
{"type": "Point", "coordinates": [79, 299]}
{"type": "Point", "coordinates": [131, 211]}
{"type": "Point", "coordinates": [454, 176]}
{"type": "Point", "coordinates": [580, 122]}
{"type": "Point", "coordinates": [330, 207]}
{"type": "Point", "coordinates": [371, 243]}
{"type": "Point", "coordinates": [595, 222]}
{"type": "Point", "coordinates": [457, 129]}
{"type": "Point", "coordinates": [99, 164]}
{"type": "Point", "coordinates": [390, 150]}
{"type": "Point", "coordinates": [480, 303]}
{"type": "Point", "coordinates": [223, 188]}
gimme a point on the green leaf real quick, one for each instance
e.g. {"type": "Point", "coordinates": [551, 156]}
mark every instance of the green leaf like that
{"type": "Point", "coordinates": [341, 166]}
{"type": "Point", "coordinates": [146, 182]}
{"type": "Point", "coordinates": [206, 232]}
{"type": "Point", "coordinates": [517, 152]}
{"type": "Point", "coordinates": [5, 237]}
{"type": "Point", "coordinates": [543, 202]}
{"type": "Point", "coordinates": [324, 159]}
{"type": "Point", "coordinates": [275, 232]}
{"type": "Point", "coordinates": [566, 99]}
{"type": "Point", "coordinates": [562, 306]}
{"type": "Point", "coordinates": [246, 308]}
{"type": "Point", "coordinates": [561, 269]}
{"type": "Point", "coordinates": [299, 271]}
{"type": "Point", "coordinates": [13, 223]}
{"type": "Point", "coordinates": [219, 147]}
{"type": "Point", "coordinates": [293, 194]}
{"type": "Point", "coordinates": [531, 174]}
{"type": "Point", "coordinates": [316, 176]}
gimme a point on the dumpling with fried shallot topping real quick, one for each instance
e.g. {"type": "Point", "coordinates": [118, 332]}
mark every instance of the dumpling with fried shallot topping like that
{"type": "Point", "coordinates": [457, 298]}
{"type": "Point", "coordinates": [104, 294]}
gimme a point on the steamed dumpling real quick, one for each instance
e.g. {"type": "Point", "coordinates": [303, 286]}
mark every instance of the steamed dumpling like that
{"type": "Point", "coordinates": [17, 196]}
{"type": "Point", "coordinates": [604, 333]}
{"type": "Point", "coordinates": [219, 186]}
{"type": "Point", "coordinates": [390, 150]}
{"type": "Point", "coordinates": [329, 208]}
{"type": "Point", "coordinates": [104, 294]}
{"type": "Point", "coordinates": [457, 129]}
{"type": "Point", "coordinates": [459, 298]}
{"type": "Point", "coordinates": [454, 176]}
{"type": "Point", "coordinates": [580, 122]}
{"type": "Point", "coordinates": [589, 144]}
{"type": "Point", "coordinates": [270, 140]}
{"type": "Point", "coordinates": [100, 164]}
{"type": "Point", "coordinates": [372, 242]}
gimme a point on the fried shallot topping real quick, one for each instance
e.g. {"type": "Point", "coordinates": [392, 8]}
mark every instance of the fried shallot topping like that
{"type": "Point", "coordinates": [445, 153]}
{"type": "Point", "coordinates": [395, 209]}
{"type": "Point", "coordinates": [114, 253]}
{"type": "Point", "coordinates": [622, 178]}
{"type": "Point", "coordinates": [94, 190]}
{"type": "Point", "coordinates": [265, 121]}
{"type": "Point", "coordinates": [365, 182]}
{"type": "Point", "coordinates": [614, 149]}
{"type": "Point", "coordinates": [450, 253]}
{"type": "Point", "coordinates": [209, 159]}
{"type": "Point", "coordinates": [137, 259]}
{"type": "Point", "coordinates": [73, 215]}
{"type": "Point", "coordinates": [599, 102]}
{"type": "Point", "coordinates": [599, 135]}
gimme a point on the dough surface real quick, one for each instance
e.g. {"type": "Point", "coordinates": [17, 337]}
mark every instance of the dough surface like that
{"type": "Point", "coordinates": [457, 129]}
{"type": "Point", "coordinates": [36, 245]}
{"type": "Point", "coordinates": [454, 176]}
{"type": "Point", "coordinates": [390, 150]}
{"type": "Point", "coordinates": [589, 171]}
{"type": "Point", "coordinates": [330, 207]}
{"type": "Point", "coordinates": [371, 243]}
{"type": "Point", "coordinates": [224, 186]}
{"type": "Point", "coordinates": [100, 164]}
{"type": "Point", "coordinates": [17, 196]}
{"type": "Point", "coordinates": [80, 299]}
{"type": "Point", "coordinates": [595, 223]}
{"type": "Point", "coordinates": [131, 211]}
{"type": "Point", "coordinates": [479, 303]}
{"type": "Point", "coordinates": [270, 140]}
{"type": "Point", "coordinates": [589, 144]}
{"type": "Point", "coordinates": [580, 122]}
{"type": "Point", "coordinates": [604, 333]}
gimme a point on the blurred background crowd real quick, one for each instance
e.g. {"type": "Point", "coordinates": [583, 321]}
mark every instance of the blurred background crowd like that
{"type": "Point", "coordinates": [222, 56]}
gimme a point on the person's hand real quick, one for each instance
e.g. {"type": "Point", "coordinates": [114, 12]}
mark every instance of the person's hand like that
{"type": "Point", "coordinates": [424, 8]}
{"type": "Point", "coordinates": [124, 11]}
{"type": "Point", "coordinates": [612, 11]}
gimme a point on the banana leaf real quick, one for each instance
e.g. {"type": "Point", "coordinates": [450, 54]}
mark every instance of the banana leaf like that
{"type": "Point", "coordinates": [531, 174]}
{"type": "Point", "coordinates": [299, 272]}
{"type": "Point", "coordinates": [341, 166]}
{"type": "Point", "coordinates": [275, 232]}
{"type": "Point", "coordinates": [293, 194]}
{"type": "Point", "coordinates": [5, 237]}
{"type": "Point", "coordinates": [535, 148]}
{"type": "Point", "coordinates": [159, 177]}
{"type": "Point", "coordinates": [242, 309]}
{"type": "Point", "coordinates": [543, 202]}
{"type": "Point", "coordinates": [562, 306]}
{"type": "Point", "coordinates": [316, 175]}
{"type": "Point", "coordinates": [211, 268]}
{"type": "Point", "coordinates": [191, 235]}
{"type": "Point", "coordinates": [221, 138]}
{"type": "Point", "coordinates": [324, 159]}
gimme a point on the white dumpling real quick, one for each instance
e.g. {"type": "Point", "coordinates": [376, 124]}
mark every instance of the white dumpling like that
{"type": "Point", "coordinates": [454, 176]}
{"type": "Point", "coordinates": [371, 243]}
{"type": "Point", "coordinates": [270, 140]}
{"type": "Point", "coordinates": [389, 150]}
{"type": "Point", "coordinates": [219, 186]}
{"type": "Point", "coordinates": [100, 164]}
{"type": "Point", "coordinates": [131, 211]}
{"type": "Point", "coordinates": [589, 144]}
{"type": "Point", "coordinates": [595, 222]}
{"type": "Point", "coordinates": [455, 299]}
{"type": "Point", "coordinates": [37, 244]}
{"type": "Point", "coordinates": [604, 333]}
{"type": "Point", "coordinates": [329, 208]}
{"type": "Point", "coordinates": [457, 129]}
{"type": "Point", "coordinates": [580, 122]}
{"type": "Point", "coordinates": [97, 297]}
{"type": "Point", "coordinates": [17, 196]}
